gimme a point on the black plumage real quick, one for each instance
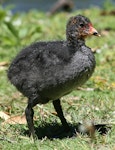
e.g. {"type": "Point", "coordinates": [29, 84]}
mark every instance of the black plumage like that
{"type": "Point", "coordinates": [47, 71]}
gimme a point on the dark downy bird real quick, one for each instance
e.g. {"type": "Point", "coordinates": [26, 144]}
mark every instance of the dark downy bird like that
{"type": "Point", "coordinates": [47, 71]}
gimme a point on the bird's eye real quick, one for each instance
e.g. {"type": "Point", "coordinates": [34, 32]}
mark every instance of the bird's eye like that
{"type": "Point", "coordinates": [82, 25]}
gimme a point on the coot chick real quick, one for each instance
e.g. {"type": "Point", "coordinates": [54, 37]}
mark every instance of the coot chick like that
{"type": "Point", "coordinates": [47, 71]}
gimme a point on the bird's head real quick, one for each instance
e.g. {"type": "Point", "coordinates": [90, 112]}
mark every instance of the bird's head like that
{"type": "Point", "coordinates": [80, 27]}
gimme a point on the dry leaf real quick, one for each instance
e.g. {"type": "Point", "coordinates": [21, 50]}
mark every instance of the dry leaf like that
{"type": "Point", "coordinates": [4, 116]}
{"type": "Point", "coordinates": [4, 63]}
{"type": "Point", "coordinates": [54, 113]}
{"type": "Point", "coordinates": [85, 89]}
{"type": "Point", "coordinates": [100, 79]}
{"type": "Point", "coordinates": [15, 120]}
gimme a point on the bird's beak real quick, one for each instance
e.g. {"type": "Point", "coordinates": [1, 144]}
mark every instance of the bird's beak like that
{"type": "Point", "coordinates": [93, 31]}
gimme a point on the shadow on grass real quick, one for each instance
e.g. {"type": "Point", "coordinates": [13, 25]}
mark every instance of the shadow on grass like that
{"type": "Point", "coordinates": [52, 131]}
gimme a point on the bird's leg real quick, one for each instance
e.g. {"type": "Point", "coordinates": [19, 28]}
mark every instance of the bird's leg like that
{"type": "Point", "coordinates": [29, 117]}
{"type": "Point", "coordinates": [58, 108]}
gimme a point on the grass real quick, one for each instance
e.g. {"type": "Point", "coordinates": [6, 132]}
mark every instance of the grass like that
{"type": "Point", "coordinates": [97, 104]}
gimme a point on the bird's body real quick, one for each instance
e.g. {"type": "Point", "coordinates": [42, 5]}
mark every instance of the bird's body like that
{"type": "Point", "coordinates": [48, 68]}
{"type": "Point", "coordinates": [47, 71]}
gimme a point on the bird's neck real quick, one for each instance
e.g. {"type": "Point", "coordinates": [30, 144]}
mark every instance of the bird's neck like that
{"type": "Point", "coordinates": [75, 43]}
